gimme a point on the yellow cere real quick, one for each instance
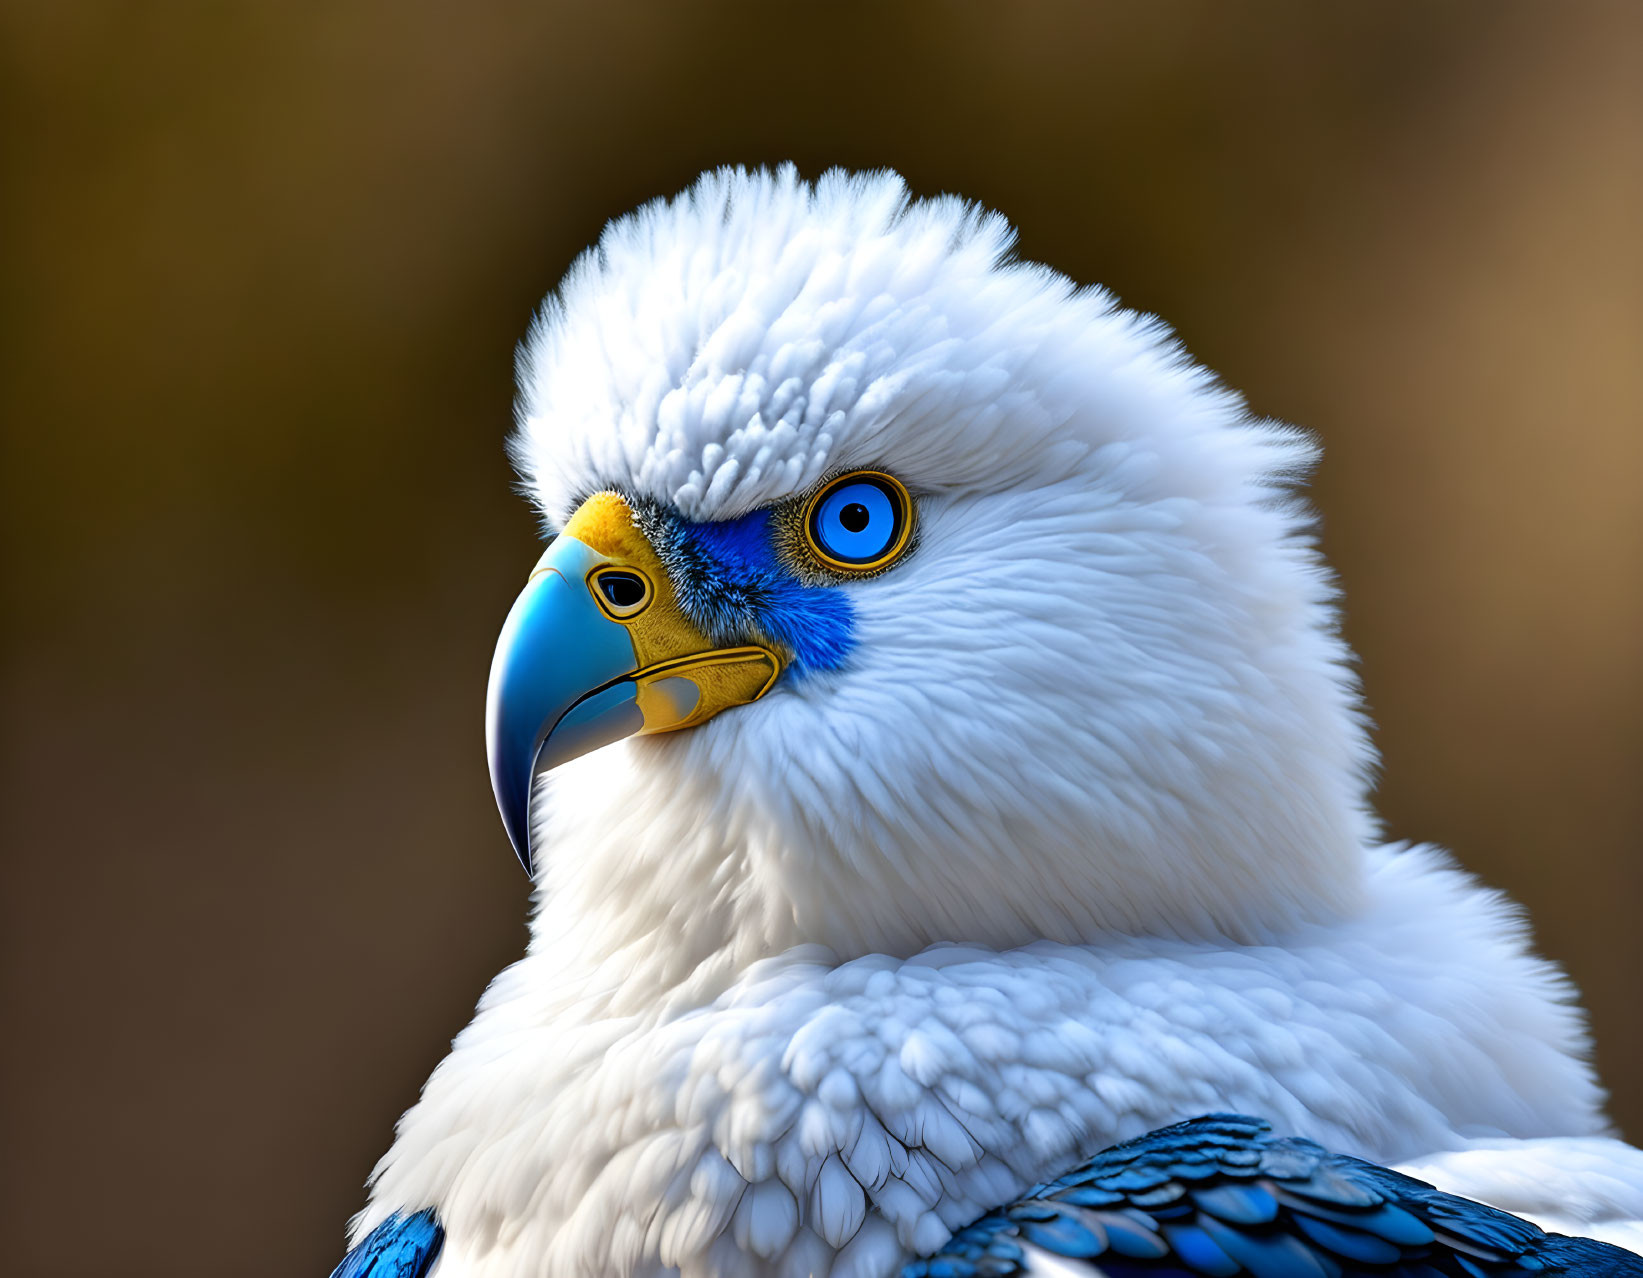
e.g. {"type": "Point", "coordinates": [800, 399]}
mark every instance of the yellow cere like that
{"type": "Point", "coordinates": [682, 678]}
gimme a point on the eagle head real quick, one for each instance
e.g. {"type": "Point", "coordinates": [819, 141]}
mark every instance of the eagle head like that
{"type": "Point", "coordinates": [901, 591]}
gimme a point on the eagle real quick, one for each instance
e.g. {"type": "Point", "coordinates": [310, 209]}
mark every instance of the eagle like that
{"type": "Point", "coordinates": [946, 794]}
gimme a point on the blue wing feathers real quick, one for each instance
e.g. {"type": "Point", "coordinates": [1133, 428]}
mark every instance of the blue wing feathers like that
{"type": "Point", "coordinates": [1238, 1204]}
{"type": "Point", "coordinates": [1219, 1197]}
{"type": "Point", "coordinates": [400, 1247]}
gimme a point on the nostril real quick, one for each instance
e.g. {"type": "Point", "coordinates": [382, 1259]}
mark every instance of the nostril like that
{"type": "Point", "coordinates": [624, 591]}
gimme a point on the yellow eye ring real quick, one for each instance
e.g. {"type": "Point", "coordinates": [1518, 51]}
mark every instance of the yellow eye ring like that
{"type": "Point", "coordinates": [622, 593]}
{"type": "Point", "coordinates": [858, 523]}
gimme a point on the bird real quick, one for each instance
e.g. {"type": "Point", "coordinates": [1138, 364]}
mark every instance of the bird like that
{"type": "Point", "coordinates": [945, 792]}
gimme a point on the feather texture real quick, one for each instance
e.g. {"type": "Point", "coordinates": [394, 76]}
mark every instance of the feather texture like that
{"type": "Point", "coordinates": [1219, 1196]}
{"type": "Point", "coordinates": [400, 1247]}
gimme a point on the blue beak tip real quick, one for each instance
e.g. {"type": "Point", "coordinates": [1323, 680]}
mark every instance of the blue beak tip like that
{"type": "Point", "coordinates": [522, 850]}
{"type": "Point", "coordinates": [513, 801]}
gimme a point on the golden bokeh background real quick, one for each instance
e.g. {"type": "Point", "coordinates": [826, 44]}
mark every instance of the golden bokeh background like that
{"type": "Point", "coordinates": [265, 266]}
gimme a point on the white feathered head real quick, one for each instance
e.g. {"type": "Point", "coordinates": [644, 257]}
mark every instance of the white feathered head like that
{"type": "Point", "coordinates": [986, 614]}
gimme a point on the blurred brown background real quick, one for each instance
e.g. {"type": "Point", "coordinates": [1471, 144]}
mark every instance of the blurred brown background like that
{"type": "Point", "coordinates": [265, 265]}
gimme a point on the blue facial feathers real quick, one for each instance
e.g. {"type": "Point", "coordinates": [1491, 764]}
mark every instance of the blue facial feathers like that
{"type": "Point", "coordinates": [731, 579]}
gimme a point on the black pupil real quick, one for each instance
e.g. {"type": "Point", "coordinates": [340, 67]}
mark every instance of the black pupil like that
{"type": "Point", "coordinates": [854, 517]}
{"type": "Point", "coordinates": [623, 589]}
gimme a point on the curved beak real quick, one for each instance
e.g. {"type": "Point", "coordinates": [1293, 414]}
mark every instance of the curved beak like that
{"type": "Point", "coordinates": [596, 648]}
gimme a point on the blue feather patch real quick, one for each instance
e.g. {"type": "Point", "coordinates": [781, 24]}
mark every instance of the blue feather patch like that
{"type": "Point", "coordinates": [400, 1247]}
{"type": "Point", "coordinates": [1219, 1197]}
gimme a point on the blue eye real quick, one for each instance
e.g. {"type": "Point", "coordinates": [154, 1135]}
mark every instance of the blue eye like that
{"type": "Point", "coordinates": [860, 521]}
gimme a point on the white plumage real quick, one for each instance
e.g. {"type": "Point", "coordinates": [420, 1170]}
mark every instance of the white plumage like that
{"type": "Point", "coordinates": [1076, 844]}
